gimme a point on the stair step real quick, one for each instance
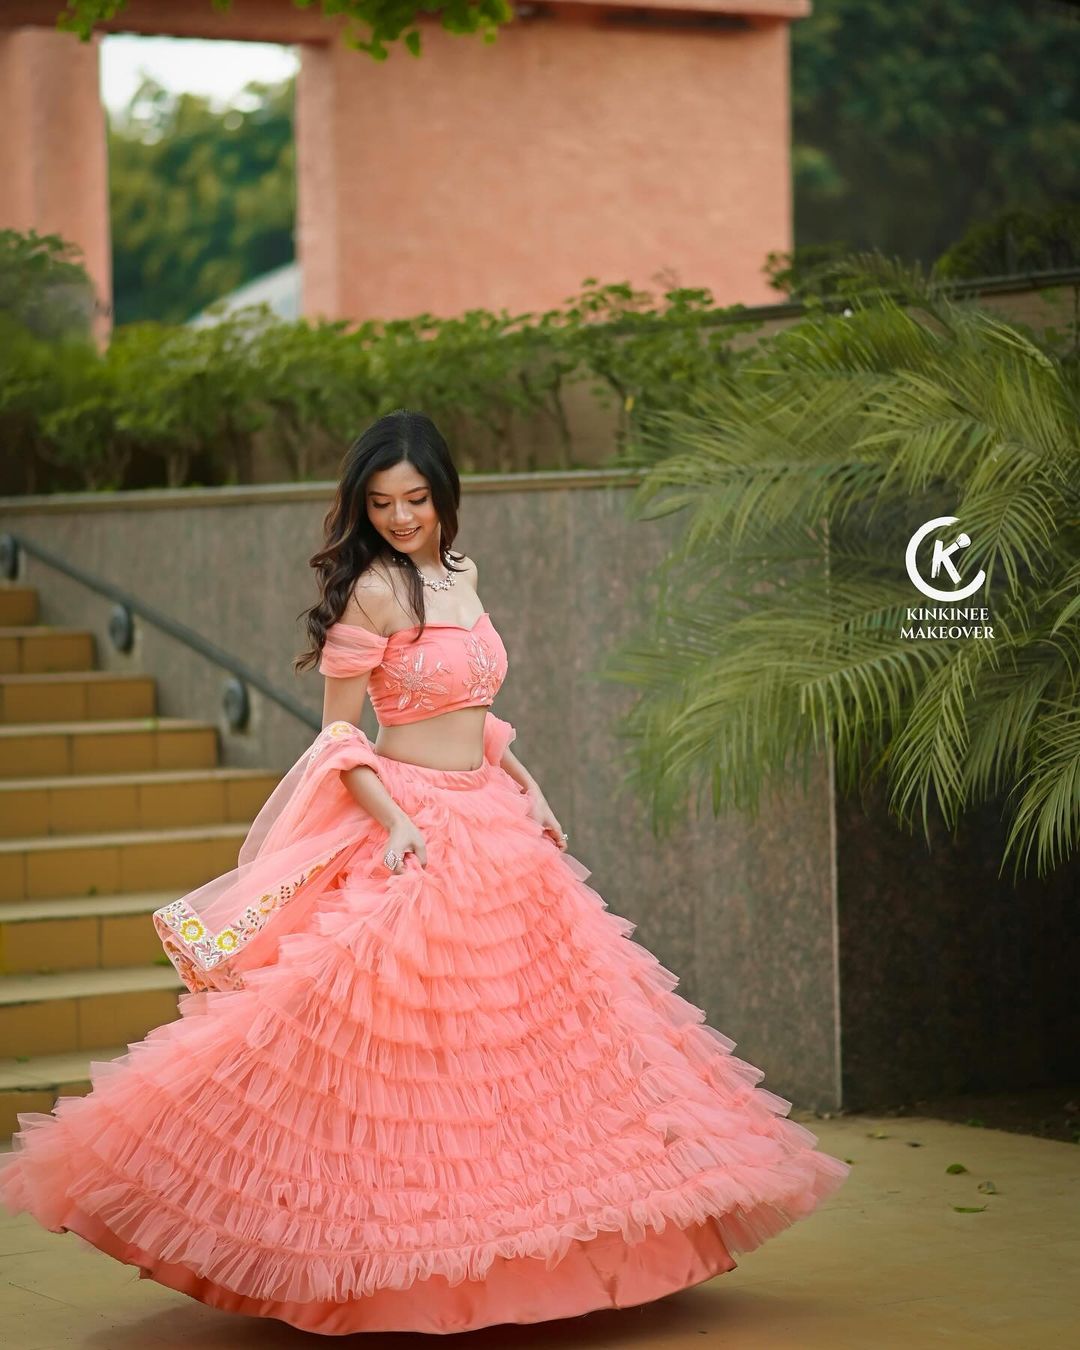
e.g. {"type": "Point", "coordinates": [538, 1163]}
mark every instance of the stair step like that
{"type": "Point", "coordinates": [36, 989]}
{"type": "Point", "coordinates": [35, 648]}
{"type": "Point", "coordinates": [35, 867]}
{"type": "Point", "coordinates": [82, 803]}
{"type": "Point", "coordinates": [79, 906]}
{"type": "Point", "coordinates": [18, 606]}
{"type": "Point", "coordinates": [76, 1010]}
{"type": "Point", "coordinates": [75, 696]}
{"type": "Point", "coordinates": [72, 1066]}
{"type": "Point", "coordinates": [33, 1083]}
{"type": "Point", "coordinates": [44, 749]}
{"type": "Point", "coordinates": [80, 933]}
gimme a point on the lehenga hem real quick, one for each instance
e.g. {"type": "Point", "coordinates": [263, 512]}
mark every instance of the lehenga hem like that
{"type": "Point", "coordinates": [515, 1290]}
{"type": "Point", "coordinates": [439, 1100]}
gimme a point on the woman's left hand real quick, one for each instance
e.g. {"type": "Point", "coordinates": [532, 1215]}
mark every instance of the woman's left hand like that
{"type": "Point", "coordinates": [545, 817]}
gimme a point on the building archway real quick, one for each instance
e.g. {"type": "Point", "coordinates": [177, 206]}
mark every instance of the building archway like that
{"type": "Point", "coordinates": [634, 142]}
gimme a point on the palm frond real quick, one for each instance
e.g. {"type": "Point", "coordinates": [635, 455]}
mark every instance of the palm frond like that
{"type": "Point", "coordinates": [796, 480]}
{"type": "Point", "coordinates": [1047, 814]}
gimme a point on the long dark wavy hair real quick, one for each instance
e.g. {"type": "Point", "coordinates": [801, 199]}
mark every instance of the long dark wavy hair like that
{"type": "Point", "coordinates": [352, 543]}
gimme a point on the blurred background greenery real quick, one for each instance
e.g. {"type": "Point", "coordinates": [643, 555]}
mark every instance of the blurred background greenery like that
{"type": "Point", "coordinates": [945, 135]}
{"type": "Point", "coordinates": [919, 129]}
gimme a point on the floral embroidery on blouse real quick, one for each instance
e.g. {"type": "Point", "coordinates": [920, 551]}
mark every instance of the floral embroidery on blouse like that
{"type": "Point", "coordinates": [412, 683]}
{"type": "Point", "coordinates": [484, 673]}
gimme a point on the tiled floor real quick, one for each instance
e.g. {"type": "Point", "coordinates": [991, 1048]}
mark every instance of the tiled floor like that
{"type": "Point", "coordinates": [887, 1264]}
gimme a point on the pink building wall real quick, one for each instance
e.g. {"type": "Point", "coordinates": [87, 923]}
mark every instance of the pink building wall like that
{"type": "Point", "coordinates": [53, 157]}
{"type": "Point", "coordinates": [586, 141]}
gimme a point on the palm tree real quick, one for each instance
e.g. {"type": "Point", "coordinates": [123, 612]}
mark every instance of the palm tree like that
{"type": "Point", "coordinates": [779, 632]}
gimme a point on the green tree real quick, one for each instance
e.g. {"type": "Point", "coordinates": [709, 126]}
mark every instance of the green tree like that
{"type": "Point", "coordinates": [44, 286]}
{"type": "Point", "coordinates": [914, 119]}
{"type": "Point", "coordinates": [47, 304]}
{"type": "Point", "coordinates": [384, 21]}
{"type": "Point", "coordinates": [28, 390]}
{"type": "Point", "coordinates": [202, 200]}
{"type": "Point", "coordinates": [81, 431]}
{"type": "Point", "coordinates": [183, 391]}
{"type": "Point", "coordinates": [1016, 241]}
{"type": "Point", "coordinates": [650, 357]}
{"type": "Point", "coordinates": [316, 379]}
{"type": "Point", "coordinates": [778, 630]}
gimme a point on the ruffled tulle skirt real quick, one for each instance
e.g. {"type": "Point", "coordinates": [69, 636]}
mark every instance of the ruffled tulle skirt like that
{"type": "Point", "coordinates": [456, 1096]}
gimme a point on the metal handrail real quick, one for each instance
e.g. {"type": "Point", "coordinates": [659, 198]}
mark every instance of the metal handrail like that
{"type": "Point", "coordinates": [240, 670]}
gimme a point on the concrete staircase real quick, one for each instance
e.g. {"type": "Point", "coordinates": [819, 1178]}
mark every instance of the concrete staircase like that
{"type": "Point", "coordinates": [106, 813]}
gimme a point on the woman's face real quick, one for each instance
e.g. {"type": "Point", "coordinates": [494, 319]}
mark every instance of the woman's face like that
{"type": "Point", "coordinates": [399, 505]}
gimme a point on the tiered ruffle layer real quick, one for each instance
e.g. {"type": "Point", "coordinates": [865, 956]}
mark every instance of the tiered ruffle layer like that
{"type": "Point", "coordinates": [458, 1097]}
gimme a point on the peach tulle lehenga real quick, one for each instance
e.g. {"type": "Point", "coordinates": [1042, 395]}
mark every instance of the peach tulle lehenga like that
{"type": "Point", "coordinates": [430, 1100]}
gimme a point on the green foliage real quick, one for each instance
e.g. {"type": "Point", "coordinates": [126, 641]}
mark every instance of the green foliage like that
{"type": "Point", "coordinates": [164, 398]}
{"type": "Point", "coordinates": [804, 271]}
{"type": "Point", "coordinates": [46, 304]}
{"type": "Point", "coordinates": [370, 24]}
{"type": "Point", "coordinates": [44, 286]}
{"type": "Point", "coordinates": [649, 359]}
{"type": "Point", "coordinates": [80, 431]}
{"type": "Point", "coordinates": [1017, 241]}
{"type": "Point", "coordinates": [915, 118]}
{"type": "Point", "coordinates": [202, 200]}
{"type": "Point", "coordinates": [313, 377]}
{"type": "Point", "coordinates": [462, 371]}
{"type": "Point", "coordinates": [777, 635]}
{"type": "Point", "coordinates": [183, 390]}
{"type": "Point", "coordinates": [29, 391]}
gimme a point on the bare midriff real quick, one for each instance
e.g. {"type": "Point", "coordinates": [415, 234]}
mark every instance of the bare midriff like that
{"type": "Point", "coordinates": [450, 740]}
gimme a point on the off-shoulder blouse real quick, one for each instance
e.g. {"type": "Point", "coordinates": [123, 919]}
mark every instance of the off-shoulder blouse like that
{"type": "Point", "coordinates": [449, 667]}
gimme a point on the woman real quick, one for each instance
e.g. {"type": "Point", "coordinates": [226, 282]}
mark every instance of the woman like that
{"type": "Point", "coordinates": [421, 1081]}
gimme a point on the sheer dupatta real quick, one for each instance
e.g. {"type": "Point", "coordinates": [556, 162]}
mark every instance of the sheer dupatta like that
{"type": "Point", "coordinates": [295, 849]}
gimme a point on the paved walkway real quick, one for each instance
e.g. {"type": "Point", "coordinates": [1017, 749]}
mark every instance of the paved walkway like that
{"type": "Point", "coordinates": [887, 1263]}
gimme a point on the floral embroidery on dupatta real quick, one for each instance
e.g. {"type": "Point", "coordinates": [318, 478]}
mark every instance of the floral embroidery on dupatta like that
{"type": "Point", "coordinates": [328, 732]}
{"type": "Point", "coordinates": [194, 949]}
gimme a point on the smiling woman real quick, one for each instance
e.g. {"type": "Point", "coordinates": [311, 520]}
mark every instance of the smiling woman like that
{"type": "Point", "coordinates": [400, 505]}
{"type": "Point", "coordinates": [423, 1081]}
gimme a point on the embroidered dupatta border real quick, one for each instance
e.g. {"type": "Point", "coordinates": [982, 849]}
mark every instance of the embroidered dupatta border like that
{"type": "Point", "coordinates": [194, 950]}
{"type": "Point", "coordinates": [199, 955]}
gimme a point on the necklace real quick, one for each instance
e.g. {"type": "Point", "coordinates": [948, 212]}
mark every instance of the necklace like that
{"type": "Point", "coordinates": [443, 584]}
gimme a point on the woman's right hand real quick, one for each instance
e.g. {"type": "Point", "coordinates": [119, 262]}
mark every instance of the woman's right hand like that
{"type": "Point", "coordinates": [403, 838]}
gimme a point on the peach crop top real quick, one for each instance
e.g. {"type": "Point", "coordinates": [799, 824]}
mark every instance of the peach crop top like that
{"type": "Point", "coordinates": [449, 667]}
